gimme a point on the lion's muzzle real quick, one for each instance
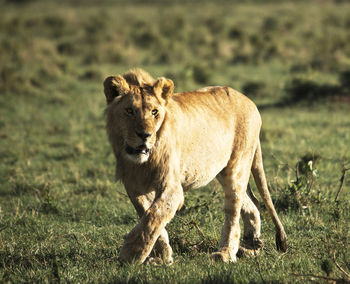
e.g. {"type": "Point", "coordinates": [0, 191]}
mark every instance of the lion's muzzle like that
{"type": "Point", "coordinates": [139, 150]}
{"type": "Point", "coordinates": [137, 155]}
{"type": "Point", "coordinates": [143, 135]}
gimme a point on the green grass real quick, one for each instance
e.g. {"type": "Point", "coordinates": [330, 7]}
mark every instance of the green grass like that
{"type": "Point", "coordinates": [62, 216]}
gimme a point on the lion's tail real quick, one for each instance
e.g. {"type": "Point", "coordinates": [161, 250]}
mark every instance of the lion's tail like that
{"type": "Point", "coordinates": [260, 181]}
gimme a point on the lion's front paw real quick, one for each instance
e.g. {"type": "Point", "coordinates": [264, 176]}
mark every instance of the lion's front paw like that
{"type": "Point", "coordinates": [155, 261]}
{"type": "Point", "coordinates": [223, 256]}
{"type": "Point", "coordinates": [131, 253]}
{"type": "Point", "coordinates": [163, 250]}
{"type": "Point", "coordinates": [168, 260]}
{"type": "Point", "coordinates": [250, 248]}
{"type": "Point", "coordinates": [158, 261]}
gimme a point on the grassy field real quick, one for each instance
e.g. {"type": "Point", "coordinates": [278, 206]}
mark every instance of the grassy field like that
{"type": "Point", "coordinates": [62, 216]}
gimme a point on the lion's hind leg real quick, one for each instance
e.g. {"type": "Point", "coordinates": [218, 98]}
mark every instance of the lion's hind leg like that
{"type": "Point", "coordinates": [251, 243]}
{"type": "Point", "coordinates": [234, 180]}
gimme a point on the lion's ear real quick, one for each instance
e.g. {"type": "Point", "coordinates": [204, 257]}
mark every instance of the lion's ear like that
{"type": "Point", "coordinates": [163, 88]}
{"type": "Point", "coordinates": [115, 86]}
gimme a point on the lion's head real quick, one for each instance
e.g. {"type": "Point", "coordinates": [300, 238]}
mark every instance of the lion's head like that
{"type": "Point", "coordinates": [135, 112]}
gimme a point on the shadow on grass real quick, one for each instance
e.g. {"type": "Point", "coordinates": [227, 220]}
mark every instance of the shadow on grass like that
{"type": "Point", "coordinates": [182, 245]}
{"type": "Point", "coordinates": [308, 92]}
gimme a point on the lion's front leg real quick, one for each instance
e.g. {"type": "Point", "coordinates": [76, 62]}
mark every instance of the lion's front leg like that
{"type": "Point", "coordinates": [140, 241]}
{"type": "Point", "coordinates": [162, 251]}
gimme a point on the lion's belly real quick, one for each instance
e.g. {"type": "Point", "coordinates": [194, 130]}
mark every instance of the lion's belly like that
{"type": "Point", "coordinates": [193, 180]}
{"type": "Point", "coordinates": [201, 167]}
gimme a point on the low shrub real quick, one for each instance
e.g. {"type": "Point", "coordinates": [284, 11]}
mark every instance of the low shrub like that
{"type": "Point", "coordinates": [299, 90]}
{"type": "Point", "coordinates": [92, 75]}
{"type": "Point", "coordinates": [235, 33]}
{"type": "Point", "coordinates": [67, 48]}
{"type": "Point", "coordinates": [270, 24]}
{"type": "Point", "coordinates": [145, 38]}
{"type": "Point", "coordinates": [254, 89]}
{"type": "Point", "coordinates": [201, 74]}
{"type": "Point", "coordinates": [344, 78]}
{"type": "Point", "coordinates": [215, 25]}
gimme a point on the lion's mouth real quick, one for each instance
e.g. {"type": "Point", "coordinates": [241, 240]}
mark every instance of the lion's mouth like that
{"type": "Point", "coordinates": [139, 150]}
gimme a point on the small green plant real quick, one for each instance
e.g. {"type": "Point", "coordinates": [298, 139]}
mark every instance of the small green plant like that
{"type": "Point", "coordinates": [301, 188]}
{"type": "Point", "coordinates": [327, 266]}
{"type": "Point", "coordinates": [49, 205]}
{"type": "Point", "coordinates": [300, 192]}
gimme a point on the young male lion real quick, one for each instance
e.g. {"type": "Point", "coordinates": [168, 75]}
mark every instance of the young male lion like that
{"type": "Point", "coordinates": [166, 143]}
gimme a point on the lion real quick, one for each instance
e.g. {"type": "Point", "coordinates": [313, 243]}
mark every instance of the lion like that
{"type": "Point", "coordinates": [166, 143]}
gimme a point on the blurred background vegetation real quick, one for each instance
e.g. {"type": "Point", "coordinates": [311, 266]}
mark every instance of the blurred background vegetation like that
{"type": "Point", "coordinates": [302, 42]}
{"type": "Point", "coordinates": [62, 217]}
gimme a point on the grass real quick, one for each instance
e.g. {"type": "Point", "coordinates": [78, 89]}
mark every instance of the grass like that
{"type": "Point", "coordinates": [62, 216]}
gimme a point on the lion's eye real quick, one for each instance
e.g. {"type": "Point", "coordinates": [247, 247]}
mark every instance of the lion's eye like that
{"type": "Point", "coordinates": [129, 111]}
{"type": "Point", "coordinates": [154, 112]}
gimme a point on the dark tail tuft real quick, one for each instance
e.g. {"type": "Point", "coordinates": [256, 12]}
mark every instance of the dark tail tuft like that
{"type": "Point", "coordinates": [281, 241]}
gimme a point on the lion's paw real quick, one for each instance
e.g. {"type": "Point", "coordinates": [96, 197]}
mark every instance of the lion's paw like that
{"type": "Point", "coordinates": [250, 248]}
{"type": "Point", "coordinates": [221, 256]}
{"type": "Point", "coordinates": [155, 261]}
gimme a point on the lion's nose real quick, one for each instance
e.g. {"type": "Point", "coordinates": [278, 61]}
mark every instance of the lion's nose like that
{"type": "Point", "coordinates": [143, 135]}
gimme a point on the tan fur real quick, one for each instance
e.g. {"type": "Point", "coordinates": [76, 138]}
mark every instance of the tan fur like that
{"type": "Point", "coordinates": [166, 143]}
